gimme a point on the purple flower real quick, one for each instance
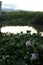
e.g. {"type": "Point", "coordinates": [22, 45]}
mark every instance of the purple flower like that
{"type": "Point", "coordinates": [28, 43]}
{"type": "Point", "coordinates": [33, 56]}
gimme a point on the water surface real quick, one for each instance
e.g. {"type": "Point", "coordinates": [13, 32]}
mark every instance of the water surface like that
{"type": "Point", "coordinates": [18, 29]}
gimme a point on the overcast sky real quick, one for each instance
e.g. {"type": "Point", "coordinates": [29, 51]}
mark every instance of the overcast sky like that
{"type": "Point", "coordinates": [29, 5]}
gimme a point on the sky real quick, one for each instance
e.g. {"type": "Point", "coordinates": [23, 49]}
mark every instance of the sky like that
{"type": "Point", "coordinates": [28, 5]}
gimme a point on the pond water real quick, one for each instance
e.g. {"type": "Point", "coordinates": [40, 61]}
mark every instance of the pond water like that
{"type": "Point", "coordinates": [18, 29]}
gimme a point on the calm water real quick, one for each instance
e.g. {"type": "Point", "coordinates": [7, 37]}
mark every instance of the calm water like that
{"type": "Point", "coordinates": [18, 29]}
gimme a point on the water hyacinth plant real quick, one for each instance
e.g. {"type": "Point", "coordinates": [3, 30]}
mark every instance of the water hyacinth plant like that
{"type": "Point", "coordinates": [21, 49]}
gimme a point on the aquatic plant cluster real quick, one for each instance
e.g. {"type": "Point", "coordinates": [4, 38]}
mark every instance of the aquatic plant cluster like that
{"type": "Point", "coordinates": [21, 18]}
{"type": "Point", "coordinates": [21, 49]}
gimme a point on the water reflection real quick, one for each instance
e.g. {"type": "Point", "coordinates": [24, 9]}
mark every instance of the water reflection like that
{"type": "Point", "coordinates": [41, 33]}
{"type": "Point", "coordinates": [18, 29]}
